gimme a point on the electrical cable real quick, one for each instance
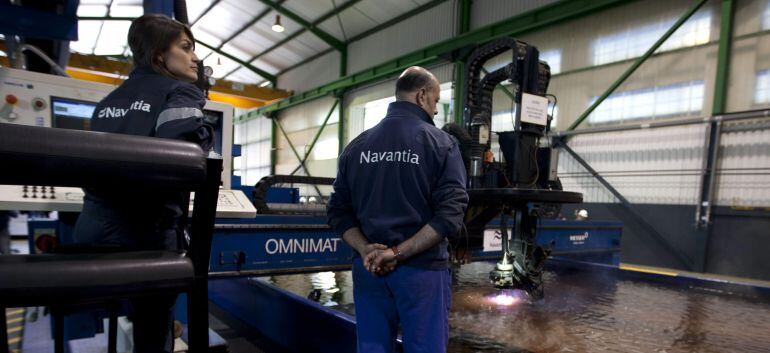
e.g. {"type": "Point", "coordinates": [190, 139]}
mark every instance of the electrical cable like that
{"type": "Point", "coordinates": [46, 58]}
{"type": "Point", "coordinates": [533, 150]}
{"type": "Point", "coordinates": [513, 116]}
{"type": "Point", "coordinates": [555, 102]}
{"type": "Point", "coordinates": [553, 110]}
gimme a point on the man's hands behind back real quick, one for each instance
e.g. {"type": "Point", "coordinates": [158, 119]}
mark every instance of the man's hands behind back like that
{"type": "Point", "coordinates": [379, 260]}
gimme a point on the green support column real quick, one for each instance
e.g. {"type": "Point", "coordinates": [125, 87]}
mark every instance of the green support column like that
{"type": "Point", "coordinates": [340, 94]}
{"type": "Point", "coordinates": [342, 124]}
{"type": "Point", "coordinates": [459, 92]}
{"type": "Point", "coordinates": [464, 16]}
{"type": "Point", "coordinates": [344, 62]}
{"type": "Point", "coordinates": [723, 58]}
{"type": "Point", "coordinates": [708, 180]}
{"type": "Point", "coordinates": [463, 26]}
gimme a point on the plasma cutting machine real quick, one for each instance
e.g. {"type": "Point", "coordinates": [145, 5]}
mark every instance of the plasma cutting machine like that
{"type": "Point", "coordinates": [524, 186]}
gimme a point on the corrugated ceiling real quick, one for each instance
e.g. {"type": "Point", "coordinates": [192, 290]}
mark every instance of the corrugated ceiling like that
{"type": "Point", "coordinates": [242, 29]}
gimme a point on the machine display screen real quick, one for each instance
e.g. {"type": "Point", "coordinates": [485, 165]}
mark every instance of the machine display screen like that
{"type": "Point", "coordinates": [71, 114]}
{"type": "Point", "coordinates": [215, 118]}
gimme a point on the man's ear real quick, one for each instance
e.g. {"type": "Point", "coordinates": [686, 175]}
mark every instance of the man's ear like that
{"type": "Point", "coordinates": [420, 95]}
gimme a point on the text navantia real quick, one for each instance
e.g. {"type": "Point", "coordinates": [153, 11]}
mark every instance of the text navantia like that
{"type": "Point", "coordinates": [405, 156]}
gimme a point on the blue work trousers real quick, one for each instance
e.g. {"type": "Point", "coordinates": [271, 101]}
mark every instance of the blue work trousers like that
{"type": "Point", "coordinates": [419, 299]}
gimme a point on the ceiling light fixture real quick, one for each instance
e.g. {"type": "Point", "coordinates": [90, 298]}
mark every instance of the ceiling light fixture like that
{"type": "Point", "coordinates": [264, 84]}
{"type": "Point", "coordinates": [277, 27]}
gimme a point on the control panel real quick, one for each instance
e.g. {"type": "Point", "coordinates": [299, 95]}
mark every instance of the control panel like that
{"type": "Point", "coordinates": [231, 203]}
{"type": "Point", "coordinates": [31, 98]}
{"type": "Point", "coordinates": [26, 96]}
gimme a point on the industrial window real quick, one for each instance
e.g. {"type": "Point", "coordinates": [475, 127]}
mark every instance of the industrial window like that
{"type": "Point", "coordinates": [762, 87]}
{"type": "Point", "coordinates": [326, 149]}
{"type": "Point", "coordinates": [375, 111]}
{"type": "Point", "coordinates": [649, 103]}
{"type": "Point", "coordinates": [633, 42]}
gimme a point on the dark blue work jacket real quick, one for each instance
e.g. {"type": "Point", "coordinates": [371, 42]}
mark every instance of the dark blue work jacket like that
{"type": "Point", "coordinates": [147, 104]}
{"type": "Point", "coordinates": [397, 177]}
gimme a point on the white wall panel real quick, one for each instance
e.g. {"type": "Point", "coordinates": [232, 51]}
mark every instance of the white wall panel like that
{"type": "Point", "coordinates": [308, 115]}
{"type": "Point", "coordinates": [311, 75]}
{"type": "Point", "coordinates": [414, 33]}
{"type": "Point", "coordinates": [655, 166]}
{"type": "Point", "coordinates": [744, 167]}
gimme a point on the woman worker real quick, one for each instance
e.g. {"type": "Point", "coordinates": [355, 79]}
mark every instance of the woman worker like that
{"type": "Point", "coordinates": [159, 100]}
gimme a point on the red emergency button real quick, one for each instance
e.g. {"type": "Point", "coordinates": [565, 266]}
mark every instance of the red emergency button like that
{"type": "Point", "coordinates": [38, 104]}
{"type": "Point", "coordinates": [11, 99]}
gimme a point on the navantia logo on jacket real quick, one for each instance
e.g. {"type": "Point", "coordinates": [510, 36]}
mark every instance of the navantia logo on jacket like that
{"type": "Point", "coordinates": [405, 156]}
{"type": "Point", "coordinates": [116, 112]}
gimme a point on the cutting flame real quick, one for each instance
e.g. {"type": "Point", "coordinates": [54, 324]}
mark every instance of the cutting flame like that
{"type": "Point", "coordinates": [507, 298]}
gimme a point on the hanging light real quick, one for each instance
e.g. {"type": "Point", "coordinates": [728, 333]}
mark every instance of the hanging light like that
{"type": "Point", "coordinates": [277, 27]}
{"type": "Point", "coordinates": [219, 60]}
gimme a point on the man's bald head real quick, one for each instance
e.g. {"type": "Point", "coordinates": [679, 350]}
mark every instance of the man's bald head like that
{"type": "Point", "coordinates": [413, 79]}
{"type": "Point", "coordinates": [419, 86]}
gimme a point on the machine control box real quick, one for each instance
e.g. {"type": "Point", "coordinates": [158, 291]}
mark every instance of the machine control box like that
{"type": "Point", "coordinates": [231, 203]}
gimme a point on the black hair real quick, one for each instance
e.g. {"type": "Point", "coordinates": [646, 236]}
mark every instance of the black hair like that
{"type": "Point", "coordinates": [150, 36]}
{"type": "Point", "coordinates": [412, 80]}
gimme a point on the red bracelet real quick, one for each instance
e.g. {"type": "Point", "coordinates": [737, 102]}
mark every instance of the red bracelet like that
{"type": "Point", "coordinates": [396, 252]}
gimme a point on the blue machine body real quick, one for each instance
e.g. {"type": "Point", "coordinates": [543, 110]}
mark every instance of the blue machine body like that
{"type": "Point", "coordinates": [283, 195]}
{"type": "Point", "coordinates": [271, 244]}
{"type": "Point", "coordinates": [591, 241]}
{"type": "Point", "coordinates": [283, 318]}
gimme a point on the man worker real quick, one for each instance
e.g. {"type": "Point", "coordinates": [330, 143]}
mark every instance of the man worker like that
{"type": "Point", "coordinates": [399, 192]}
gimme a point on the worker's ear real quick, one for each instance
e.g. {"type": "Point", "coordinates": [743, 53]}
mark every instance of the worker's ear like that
{"type": "Point", "coordinates": [420, 96]}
